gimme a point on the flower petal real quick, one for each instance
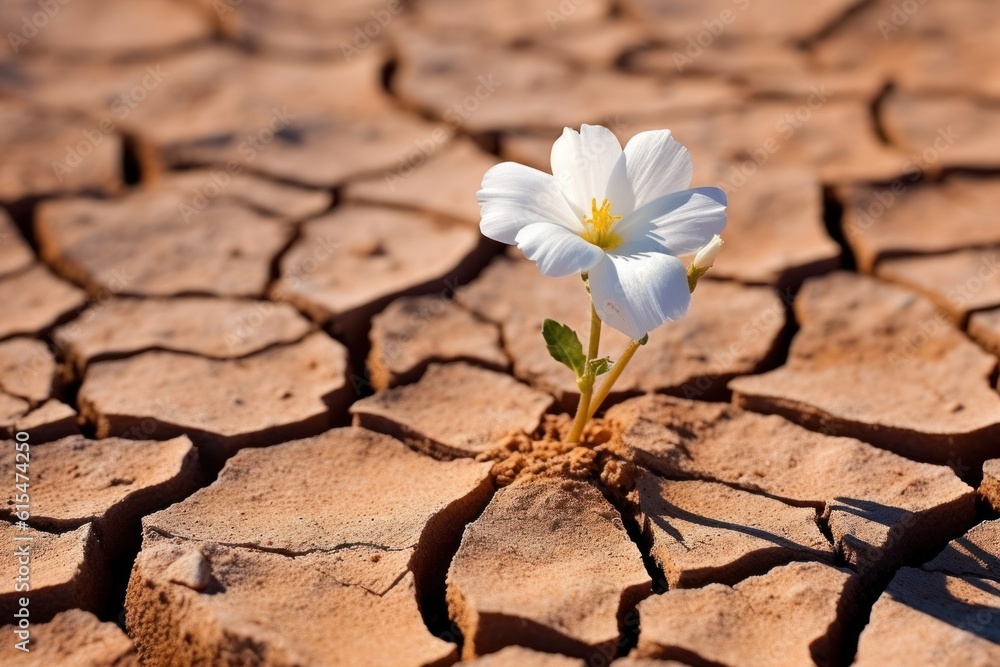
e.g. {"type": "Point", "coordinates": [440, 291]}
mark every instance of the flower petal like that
{"type": "Point", "coordinates": [636, 294]}
{"type": "Point", "coordinates": [557, 251]}
{"type": "Point", "coordinates": [657, 165]}
{"type": "Point", "coordinates": [584, 165]}
{"type": "Point", "coordinates": [619, 191]}
{"type": "Point", "coordinates": [514, 196]}
{"type": "Point", "coordinates": [677, 224]}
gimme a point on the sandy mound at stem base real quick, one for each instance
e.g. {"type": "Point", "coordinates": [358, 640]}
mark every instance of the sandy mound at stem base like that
{"type": "Point", "coordinates": [546, 454]}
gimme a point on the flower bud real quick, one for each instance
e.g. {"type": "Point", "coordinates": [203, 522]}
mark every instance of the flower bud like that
{"type": "Point", "coordinates": [705, 258]}
{"type": "Point", "coordinates": [703, 261]}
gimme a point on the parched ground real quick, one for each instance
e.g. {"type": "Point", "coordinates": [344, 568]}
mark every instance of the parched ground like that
{"type": "Point", "coordinates": [287, 407]}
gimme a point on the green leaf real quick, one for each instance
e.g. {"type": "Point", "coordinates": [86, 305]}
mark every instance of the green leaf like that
{"type": "Point", "coordinates": [600, 366]}
{"type": "Point", "coordinates": [564, 346]}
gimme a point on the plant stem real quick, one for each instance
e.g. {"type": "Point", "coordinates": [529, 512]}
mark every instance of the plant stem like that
{"type": "Point", "coordinates": [586, 383]}
{"type": "Point", "coordinates": [595, 336]}
{"type": "Point", "coordinates": [616, 371]}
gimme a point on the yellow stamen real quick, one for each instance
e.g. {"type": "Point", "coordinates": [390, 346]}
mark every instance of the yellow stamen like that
{"type": "Point", "coordinates": [598, 227]}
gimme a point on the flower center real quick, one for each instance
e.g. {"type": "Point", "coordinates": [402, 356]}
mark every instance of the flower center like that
{"type": "Point", "coordinates": [598, 227]}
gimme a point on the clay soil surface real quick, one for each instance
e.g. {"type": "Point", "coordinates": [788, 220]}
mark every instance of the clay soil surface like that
{"type": "Point", "coordinates": [287, 407]}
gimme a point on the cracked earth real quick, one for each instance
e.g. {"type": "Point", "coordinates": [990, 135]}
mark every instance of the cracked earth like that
{"type": "Point", "coordinates": [286, 406]}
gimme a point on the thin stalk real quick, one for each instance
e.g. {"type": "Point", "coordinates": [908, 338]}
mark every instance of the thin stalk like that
{"type": "Point", "coordinates": [595, 336]}
{"type": "Point", "coordinates": [595, 404]}
{"type": "Point", "coordinates": [586, 383]}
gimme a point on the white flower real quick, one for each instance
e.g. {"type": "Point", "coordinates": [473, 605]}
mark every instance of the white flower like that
{"type": "Point", "coordinates": [623, 217]}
